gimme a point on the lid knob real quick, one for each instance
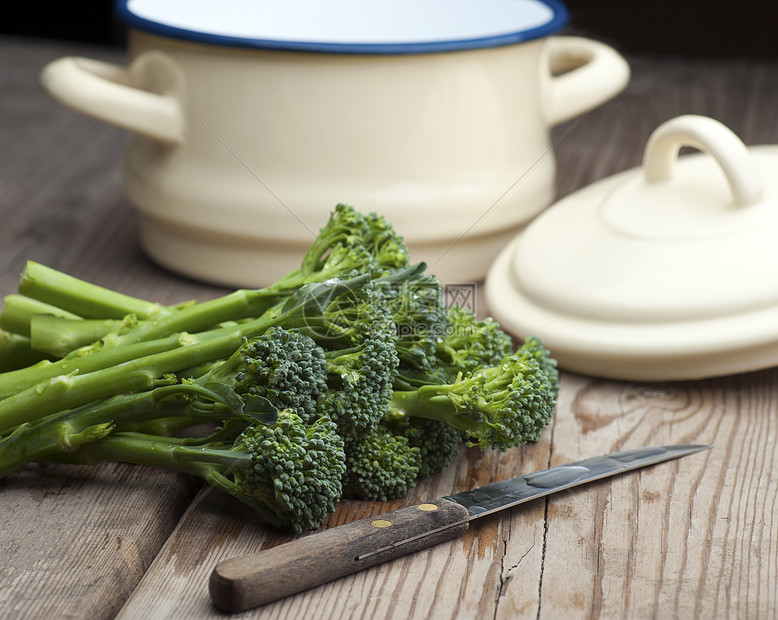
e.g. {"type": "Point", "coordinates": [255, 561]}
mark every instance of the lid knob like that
{"type": "Point", "coordinates": [712, 137]}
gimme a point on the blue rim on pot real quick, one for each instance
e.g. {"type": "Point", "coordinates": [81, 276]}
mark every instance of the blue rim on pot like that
{"type": "Point", "coordinates": [367, 29]}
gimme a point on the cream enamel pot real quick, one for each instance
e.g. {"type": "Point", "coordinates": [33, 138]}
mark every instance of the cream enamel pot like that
{"type": "Point", "coordinates": [250, 125]}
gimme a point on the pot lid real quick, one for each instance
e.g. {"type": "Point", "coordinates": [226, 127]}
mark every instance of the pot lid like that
{"type": "Point", "coordinates": [658, 273]}
{"type": "Point", "coordinates": [348, 26]}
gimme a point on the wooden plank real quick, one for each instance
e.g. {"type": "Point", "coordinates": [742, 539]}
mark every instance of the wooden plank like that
{"type": "Point", "coordinates": [61, 201]}
{"type": "Point", "coordinates": [75, 541]}
{"type": "Point", "coordinates": [692, 538]}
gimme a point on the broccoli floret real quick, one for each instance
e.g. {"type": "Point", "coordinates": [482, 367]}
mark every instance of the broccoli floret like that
{"type": "Point", "coordinates": [534, 346]}
{"type": "Point", "coordinates": [359, 342]}
{"type": "Point", "coordinates": [470, 343]}
{"type": "Point", "coordinates": [419, 313]}
{"type": "Point", "coordinates": [438, 443]}
{"type": "Point", "coordinates": [384, 244]}
{"type": "Point", "coordinates": [499, 406]}
{"type": "Point", "coordinates": [289, 472]}
{"type": "Point", "coordinates": [284, 367]}
{"type": "Point", "coordinates": [351, 241]}
{"type": "Point", "coordinates": [295, 469]}
{"type": "Point", "coordinates": [380, 467]}
{"type": "Point", "coordinates": [360, 381]}
{"type": "Point", "coordinates": [465, 344]}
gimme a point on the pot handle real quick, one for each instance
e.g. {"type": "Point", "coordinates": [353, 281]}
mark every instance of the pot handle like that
{"type": "Point", "coordinates": [141, 97]}
{"type": "Point", "coordinates": [589, 73]}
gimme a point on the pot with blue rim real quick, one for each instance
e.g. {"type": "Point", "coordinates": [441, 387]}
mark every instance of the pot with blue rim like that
{"type": "Point", "coordinates": [251, 119]}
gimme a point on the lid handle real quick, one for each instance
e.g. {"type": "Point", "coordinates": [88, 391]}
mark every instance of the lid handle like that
{"type": "Point", "coordinates": [710, 136]}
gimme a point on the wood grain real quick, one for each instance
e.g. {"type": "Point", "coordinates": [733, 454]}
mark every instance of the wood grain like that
{"type": "Point", "coordinates": [694, 538]}
{"type": "Point", "coordinates": [61, 200]}
{"type": "Point", "coordinates": [75, 541]}
{"type": "Point", "coordinates": [664, 539]}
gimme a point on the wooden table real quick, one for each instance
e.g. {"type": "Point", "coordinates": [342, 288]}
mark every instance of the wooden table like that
{"type": "Point", "coordinates": [691, 538]}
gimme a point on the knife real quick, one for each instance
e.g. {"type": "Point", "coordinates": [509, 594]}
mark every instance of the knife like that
{"type": "Point", "coordinates": [249, 581]}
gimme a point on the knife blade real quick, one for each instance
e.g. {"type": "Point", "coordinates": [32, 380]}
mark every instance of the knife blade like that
{"type": "Point", "coordinates": [248, 581]}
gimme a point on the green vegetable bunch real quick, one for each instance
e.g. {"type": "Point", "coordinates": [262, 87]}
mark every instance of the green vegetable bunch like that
{"type": "Point", "coordinates": [347, 378]}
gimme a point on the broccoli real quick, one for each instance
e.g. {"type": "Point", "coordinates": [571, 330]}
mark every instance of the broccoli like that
{"type": "Point", "coordinates": [289, 472]}
{"type": "Point", "coordinates": [65, 431]}
{"type": "Point", "coordinates": [59, 336]}
{"type": "Point", "coordinates": [438, 443]}
{"type": "Point", "coordinates": [71, 383]}
{"type": "Point", "coordinates": [349, 243]}
{"type": "Point", "coordinates": [471, 343]}
{"type": "Point", "coordinates": [360, 356]}
{"type": "Point", "coordinates": [419, 313]}
{"type": "Point", "coordinates": [380, 467]}
{"type": "Point", "coordinates": [347, 377]}
{"type": "Point", "coordinates": [360, 383]}
{"type": "Point", "coordinates": [498, 406]}
{"type": "Point", "coordinates": [534, 346]}
{"type": "Point", "coordinates": [16, 352]}
{"type": "Point", "coordinates": [283, 368]}
{"type": "Point", "coordinates": [279, 370]}
{"type": "Point", "coordinates": [72, 296]}
{"type": "Point", "coordinates": [360, 375]}
{"type": "Point", "coordinates": [464, 345]}
{"type": "Point", "coordinates": [18, 311]}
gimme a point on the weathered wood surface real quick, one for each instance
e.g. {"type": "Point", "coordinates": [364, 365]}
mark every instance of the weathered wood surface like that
{"type": "Point", "coordinates": [692, 538]}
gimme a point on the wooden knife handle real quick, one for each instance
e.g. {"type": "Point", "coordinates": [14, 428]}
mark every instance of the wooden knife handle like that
{"type": "Point", "coordinates": [249, 581]}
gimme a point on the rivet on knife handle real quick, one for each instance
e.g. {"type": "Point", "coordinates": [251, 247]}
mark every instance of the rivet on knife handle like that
{"type": "Point", "coordinates": [252, 580]}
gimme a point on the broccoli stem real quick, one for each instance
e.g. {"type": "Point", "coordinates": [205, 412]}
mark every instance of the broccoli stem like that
{"type": "Point", "coordinates": [431, 402]}
{"type": "Point", "coordinates": [238, 305]}
{"type": "Point", "coordinates": [59, 336]}
{"type": "Point", "coordinates": [83, 298]}
{"type": "Point", "coordinates": [131, 368]}
{"type": "Point", "coordinates": [66, 431]}
{"type": "Point", "coordinates": [62, 337]}
{"type": "Point", "coordinates": [31, 443]}
{"type": "Point", "coordinates": [16, 352]}
{"type": "Point", "coordinates": [19, 310]}
{"type": "Point", "coordinates": [205, 461]}
{"type": "Point", "coordinates": [16, 381]}
{"type": "Point", "coordinates": [141, 373]}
